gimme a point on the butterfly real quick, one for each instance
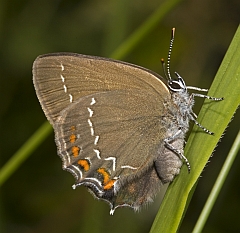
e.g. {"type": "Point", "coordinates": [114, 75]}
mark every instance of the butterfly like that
{"type": "Point", "coordinates": [119, 128]}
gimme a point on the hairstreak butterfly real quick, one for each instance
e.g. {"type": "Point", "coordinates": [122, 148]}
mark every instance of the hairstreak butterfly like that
{"type": "Point", "coordinates": [119, 128]}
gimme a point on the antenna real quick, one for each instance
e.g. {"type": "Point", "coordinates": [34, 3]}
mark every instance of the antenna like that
{"type": "Point", "coordinates": [167, 71]}
{"type": "Point", "coordinates": [169, 54]}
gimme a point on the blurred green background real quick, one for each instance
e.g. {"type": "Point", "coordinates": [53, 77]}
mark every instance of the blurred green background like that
{"type": "Point", "coordinates": [38, 197]}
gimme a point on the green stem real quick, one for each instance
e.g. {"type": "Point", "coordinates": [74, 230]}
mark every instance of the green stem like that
{"type": "Point", "coordinates": [217, 186]}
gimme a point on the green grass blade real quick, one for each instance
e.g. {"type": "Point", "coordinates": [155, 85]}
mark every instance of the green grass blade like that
{"type": "Point", "coordinates": [215, 116]}
{"type": "Point", "coordinates": [145, 29]}
{"type": "Point", "coordinates": [22, 154]}
{"type": "Point", "coordinates": [217, 186]}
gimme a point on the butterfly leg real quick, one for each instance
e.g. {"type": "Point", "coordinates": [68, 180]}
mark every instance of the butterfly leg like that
{"type": "Point", "coordinates": [171, 139]}
{"type": "Point", "coordinates": [193, 115]}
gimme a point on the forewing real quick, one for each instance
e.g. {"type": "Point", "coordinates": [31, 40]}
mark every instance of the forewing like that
{"type": "Point", "coordinates": [62, 78]}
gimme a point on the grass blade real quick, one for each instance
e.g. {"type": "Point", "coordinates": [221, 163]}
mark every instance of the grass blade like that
{"type": "Point", "coordinates": [217, 186]}
{"type": "Point", "coordinates": [216, 117]}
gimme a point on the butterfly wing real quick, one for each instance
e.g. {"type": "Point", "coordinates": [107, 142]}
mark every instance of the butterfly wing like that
{"type": "Point", "coordinates": [110, 139]}
{"type": "Point", "coordinates": [62, 78]}
{"type": "Point", "coordinates": [107, 117]}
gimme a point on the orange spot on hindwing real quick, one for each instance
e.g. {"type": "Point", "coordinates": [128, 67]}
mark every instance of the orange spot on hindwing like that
{"type": "Point", "coordinates": [105, 174]}
{"type": "Point", "coordinates": [84, 163]}
{"type": "Point", "coordinates": [73, 138]}
{"type": "Point", "coordinates": [73, 128]}
{"type": "Point", "coordinates": [108, 184]}
{"type": "Point", "coordinates": [75, 151]}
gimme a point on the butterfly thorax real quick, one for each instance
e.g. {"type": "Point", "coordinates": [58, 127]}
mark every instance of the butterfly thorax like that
{"type": "Point", "coordinates": [184, 105]}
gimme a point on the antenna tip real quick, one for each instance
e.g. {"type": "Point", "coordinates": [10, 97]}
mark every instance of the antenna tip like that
{"type": "Point", "coordinates": [173, 32]}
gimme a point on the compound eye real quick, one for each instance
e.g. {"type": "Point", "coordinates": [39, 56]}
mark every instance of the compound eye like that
{"type": "Point", "coordinates": [175, 85]}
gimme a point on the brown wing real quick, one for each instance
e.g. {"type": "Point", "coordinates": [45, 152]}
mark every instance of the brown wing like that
{"type": "Point", "coordinates": [62, 78]}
